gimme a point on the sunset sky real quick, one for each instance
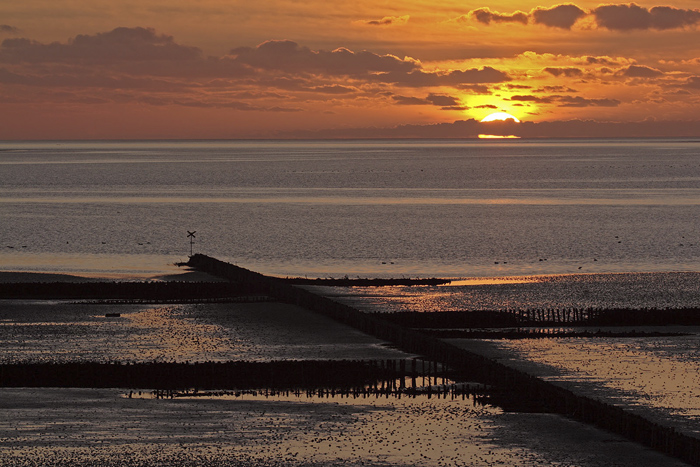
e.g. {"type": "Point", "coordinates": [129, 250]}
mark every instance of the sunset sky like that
{"type": "Point", "coordinates": [78, 69]}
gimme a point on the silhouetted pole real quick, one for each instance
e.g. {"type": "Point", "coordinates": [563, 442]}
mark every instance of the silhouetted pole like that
{"type": "Point", "coordinates": [190, 235]}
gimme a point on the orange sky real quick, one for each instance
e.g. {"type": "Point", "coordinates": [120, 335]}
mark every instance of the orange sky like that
{"type": "Point", "coordinates": [240, 69]}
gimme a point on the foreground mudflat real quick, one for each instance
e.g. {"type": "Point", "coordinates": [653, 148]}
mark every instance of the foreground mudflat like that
{"type": "Point", "coordinates": [656, 377]}
{"type": "Point", "coordinates": [107, 427]}
{"type": "Point", "coordinates": [64, 331]}
{"type": "Point", "coordinates": [81, 427]}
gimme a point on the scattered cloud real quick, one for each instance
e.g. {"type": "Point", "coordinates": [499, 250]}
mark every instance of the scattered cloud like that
{"type": "Point", "coordinates": [556, 89]}
{"type": "Point", "coordinates": [578, 101]}
{"type": "Point", "coordinates": [7, 29]}
{"type": "Point", "coordinates": [534, 99]}
{"type": "Point", "coordinates": [454, 78]}
{"type": "Point", "coordinates": [141, 65]}
{"type": "Point", "coordinates": [387, 21]}
{"type": "Point", "coordinates": [692, 61]}
{"type": "Point", "coordinates": [285, 55]}
{"type": "Point", "coordinates": [486, 16]}
{"type": "Point", "coordinates": [288, 56]}
{"type": "Point", "coordinates": [516, 86]}
{"type": "Point", "coordinates": [442, 100]}
{"type": "Point", "coordinates": [566, 101]}
{"type": "Point", "coordinates": [568, 72]}
{"type": "Point", "coordinates": [120, 44]}
{"type": "Point", "coordinates": [625, 17]}
{"type": "Point", "coordinates": [559, 16]}
{"type": "Point", "coordinates": [333, 89]}
{"type": "Point", "coordinates": [605, 60]}
{"type": "Point", "coordinates": [682, 92]}
{"type": "Point", "coordinates": [408, 100]}
{"type": "Point", "coordinates": [639, 71]}
{"type": "Point", "coordinates": [693, 82]}
{"type": "Point", "coordinates": [474, 88]}
{"type": "Point", "coordinates": [615, 17]}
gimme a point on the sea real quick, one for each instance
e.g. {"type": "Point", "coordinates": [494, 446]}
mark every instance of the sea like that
{"type": "Point", "coordinates": [446, 208]}
{"type": "Point", "coordinates": [515, 223]}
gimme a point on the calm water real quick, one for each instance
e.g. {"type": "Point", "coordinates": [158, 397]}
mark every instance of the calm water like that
{"type": "Point", "coordinates": [394, 208]}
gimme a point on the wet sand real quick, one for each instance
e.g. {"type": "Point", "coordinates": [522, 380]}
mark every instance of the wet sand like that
{"type": "Point", "coordinates": [63, 331]}
{"type": "Point", "coordinates": [81, 427]}
{"type": "Point", "coordinates": [655, 377]}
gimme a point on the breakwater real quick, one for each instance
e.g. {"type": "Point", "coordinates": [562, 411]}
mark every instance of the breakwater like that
{"type": "Point", "coordinates": [340, 375]}
{"type": "Point", "coordinates": [516, 390]}
{"type": "Point", "coordinates": [318, 378]}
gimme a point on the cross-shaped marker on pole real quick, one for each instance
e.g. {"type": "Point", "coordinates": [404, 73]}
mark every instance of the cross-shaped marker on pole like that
{"type": "Point", "coordinates": [190, 235]}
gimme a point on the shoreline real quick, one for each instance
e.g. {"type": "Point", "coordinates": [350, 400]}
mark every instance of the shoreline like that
{"type": "Point", "coordinates": [189, 275]}
{"type": "Point", "coordinates": [34, 277]}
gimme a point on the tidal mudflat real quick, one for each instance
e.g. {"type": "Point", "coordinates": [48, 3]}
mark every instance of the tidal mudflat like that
{"type": "Point", "coordinates": [81, 427]}
{"type": "Point", "coordinates": [64, 331]}
{"type": "Point", "coordinates": [655, 376]}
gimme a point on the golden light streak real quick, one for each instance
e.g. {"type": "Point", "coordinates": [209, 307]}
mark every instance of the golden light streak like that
{"type": "Point", "coordinates": [498, 137]}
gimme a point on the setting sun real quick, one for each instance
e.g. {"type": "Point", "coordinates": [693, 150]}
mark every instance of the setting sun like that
{"type": "Point", "coordinates": [503, 116]}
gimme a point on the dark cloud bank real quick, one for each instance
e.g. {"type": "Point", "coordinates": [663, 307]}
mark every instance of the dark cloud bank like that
{"type": "Point", "coordinates": [615, 17]}
{"type": "Point", "coordinates": [142, 52]}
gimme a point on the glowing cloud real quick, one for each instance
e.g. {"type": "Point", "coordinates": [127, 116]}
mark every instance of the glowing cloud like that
{"type": "Point", "coordinates": [387, 21]}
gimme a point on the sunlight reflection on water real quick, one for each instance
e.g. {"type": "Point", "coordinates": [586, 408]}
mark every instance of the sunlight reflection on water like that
{"type": "Point", "coordinates": [639, 291]}
{"type": "Point", "coordinates": [489, 281]}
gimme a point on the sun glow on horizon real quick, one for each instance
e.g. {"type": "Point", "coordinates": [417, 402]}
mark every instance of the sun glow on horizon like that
{"type": "Point", "coordinates": [481, 136]}
{"type": "Point", "coordinates": [502, 116]}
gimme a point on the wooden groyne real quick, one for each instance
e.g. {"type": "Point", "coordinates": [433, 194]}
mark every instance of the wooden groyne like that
{"type": "Point", "coordinates": [545, 317]}
{"type": "Point", "coordinates": [516, 389]}
{"type": "Point", "coordinates": [541, 333]}
{"type": "Point", "coordinates": [358, 375]}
